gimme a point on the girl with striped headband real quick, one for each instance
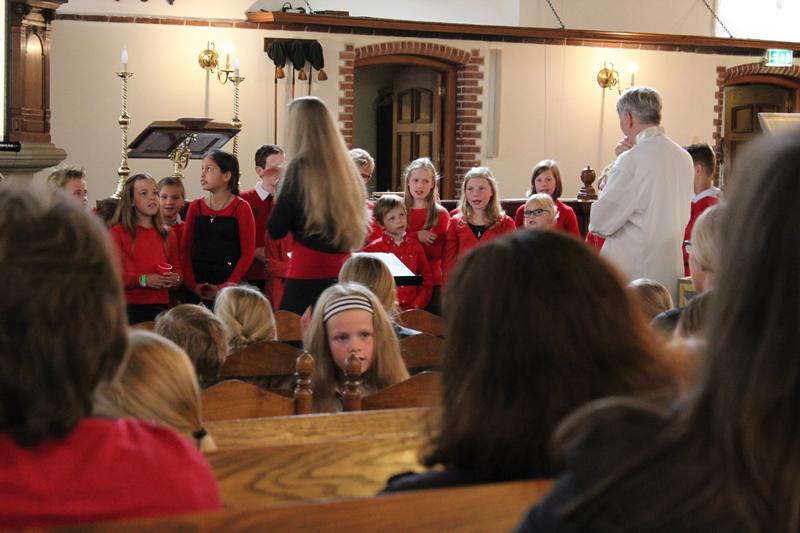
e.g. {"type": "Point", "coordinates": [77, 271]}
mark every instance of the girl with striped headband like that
{"type": "Point", "coordinates": [347, 319]}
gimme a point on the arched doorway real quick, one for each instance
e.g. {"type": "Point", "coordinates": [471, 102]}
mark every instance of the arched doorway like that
{"type": "Point", "coordinates": [748, 90]}
{"type": "Point", "coordinates": [404, 109]}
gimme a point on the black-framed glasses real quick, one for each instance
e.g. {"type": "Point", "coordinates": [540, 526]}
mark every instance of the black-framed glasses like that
{"type": "Point", "coordinates": [532, 213]}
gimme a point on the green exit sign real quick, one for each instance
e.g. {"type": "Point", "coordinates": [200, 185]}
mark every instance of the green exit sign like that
{"type": "Point", "coordinates": [779, 58]}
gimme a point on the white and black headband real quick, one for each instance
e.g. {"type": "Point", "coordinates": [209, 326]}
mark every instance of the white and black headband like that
{"type": "Point", "coordinates": [346, 303]}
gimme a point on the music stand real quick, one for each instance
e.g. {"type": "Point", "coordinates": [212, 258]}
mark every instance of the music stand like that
{"type": "Point", "coordinates": [181, 140]}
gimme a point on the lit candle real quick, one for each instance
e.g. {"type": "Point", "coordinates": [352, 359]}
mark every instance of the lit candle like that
{"type": "Point", "coordinates": [227, 48]}
{"type": "Point", "coordinates": [633, 68]}
{"type": "Point", "coordinates": [236, 66]}
{"type": "Point", "coordinates": [124, 59]}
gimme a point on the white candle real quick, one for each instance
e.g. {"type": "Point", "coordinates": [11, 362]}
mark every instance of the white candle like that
{"type": "Point", "coordinates": [124, 59]}
{"type": "Point", "coordinates": [236, 66]}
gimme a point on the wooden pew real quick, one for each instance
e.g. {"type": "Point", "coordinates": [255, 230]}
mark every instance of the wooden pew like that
{"type": "Point", "coordinates": [236, 399]}
{"type": "Point", "coordinates": [265, 358]}
{"type": "Point", "coordinates": [287, 324]}
{"type": "Point", "coordinates": [305, 429]}
{"type": "Point", "coordinates": [423, 321]}
{"type": "Point", "coordinates": [421, 390]}
{"type": "Point", "coordinates": [474, 509]}
{"type": "Point", "coordinates": [423, 351]}
{"type": "Point", "coordinates": [347, 468]}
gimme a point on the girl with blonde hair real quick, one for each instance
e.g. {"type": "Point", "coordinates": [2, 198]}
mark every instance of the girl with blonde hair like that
{"type": "Point", "coordinates": [349, 318]}
{"type": "Point", "coordinates": [148, 251]}
{"type": "Point", "coordinates": [158, 384]}
{"type": "Point", "coordinates": [427, 219]}
{"type": "Point", "coordinates": [546, 179]}
{"type": "Point", "coordinates": [480, 217]}
{"type": "Point", "coordinates": [322, 202]}
{"type": "Point", "coordinates": [540, 212]}
{"type": "Point", "coordinates": [247, 316]}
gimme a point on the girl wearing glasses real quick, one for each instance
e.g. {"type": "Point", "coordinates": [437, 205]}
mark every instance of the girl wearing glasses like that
{"type": "Point", "coordinates": [540, 212]}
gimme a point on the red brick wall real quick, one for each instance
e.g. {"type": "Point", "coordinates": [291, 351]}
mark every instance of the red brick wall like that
{"type": "Point", "coordinates": [469, 92]}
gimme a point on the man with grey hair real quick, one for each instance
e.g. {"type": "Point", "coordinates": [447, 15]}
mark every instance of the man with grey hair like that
{"type": "Point", "coordinates": [645, 202]}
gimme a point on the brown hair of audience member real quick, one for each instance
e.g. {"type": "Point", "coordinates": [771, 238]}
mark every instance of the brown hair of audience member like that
{"type": "Point", "coordinates": [63, 326]}
{"type": "Point", "coordinates": [703, 155]}
{"type": "Point", "coordinates": [374, 275]}
{"type": "Point", "coordinates": [651, 296]}
{"type": "Point", "coordinates": [247, 316]}
{"type": "Point", "coordinates": [201, 334]}
{"type": "Point", "coordinates": [552, 166]}
{"type": "Point", "coordinates": [513, 368]}
{"type": "Point", "coordinates": [387, 368]}
{"type": "Point", "coordinates": [126, 214]}
{"type": "Point", "coordinates": [694, 317]}
{"type": "Point", "coordinates": [728, 455]}
{"type": "Point", "coordinates": [386, 203]}
{"type": "Point", "coordinates": [105, 209]}
{"type": "Point", "coordinates": [494, 212]}
{"type": "Point", "coordinates": [322, 176]}
{"type": "Point", "coordinates": [158, 384]}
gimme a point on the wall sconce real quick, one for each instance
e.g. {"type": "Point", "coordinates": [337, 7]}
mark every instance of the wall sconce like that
{"type": "Point", "coordinates": [209, 60]}
{"type": "Point", "coordinates": [609, 77]}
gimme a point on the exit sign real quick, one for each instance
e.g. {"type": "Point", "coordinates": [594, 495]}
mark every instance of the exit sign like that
{"type": "Point", "coordinates": [779, 58]}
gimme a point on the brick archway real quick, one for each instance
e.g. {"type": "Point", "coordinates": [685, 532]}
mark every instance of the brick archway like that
{"type": "Point", "coordinates": [746, 73]}
{"type": "Point", "coordinates": [469, 92]}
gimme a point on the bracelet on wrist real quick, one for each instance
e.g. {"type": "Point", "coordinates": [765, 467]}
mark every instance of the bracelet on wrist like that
{"type": "Point", "coordinates": [143, 280]}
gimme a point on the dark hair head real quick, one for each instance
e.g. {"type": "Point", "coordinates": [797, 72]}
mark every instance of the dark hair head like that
{"type": "Point", "coordinates": [228, 162]}
{"type": "Point", "coordinates": [264, 152]}
{"type": "Point", "coordinates": [552, 166]}
{"type": "Point", "coordinates": [62, 330]}
{"type": "Point", "coordinates": [514, 362]}
{"type": "Point", "coordinates": [702, 155]}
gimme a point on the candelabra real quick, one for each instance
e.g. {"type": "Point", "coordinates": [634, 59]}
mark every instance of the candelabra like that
{"type": "Point", "coordinates": [237, 123]}
{"type": "Point", "coordinates": [124, 121]}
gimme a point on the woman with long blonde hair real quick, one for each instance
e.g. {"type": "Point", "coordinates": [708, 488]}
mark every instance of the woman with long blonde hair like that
{"type": "Point", "coordinates": [349, 318]}
{"type": "Point", "coordinates": [321, 202]}
{"type": "Point", "coordinates": [157, 385]}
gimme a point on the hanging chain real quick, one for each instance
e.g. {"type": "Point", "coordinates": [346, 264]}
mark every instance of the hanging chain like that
{"type": "Point", "coordinates": [724, 27]}
{"type": "Point", "coordinates": [556, 14]}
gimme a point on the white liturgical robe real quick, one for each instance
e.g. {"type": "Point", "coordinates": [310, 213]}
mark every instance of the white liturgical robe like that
{"type": "Point", "coordinates": [644, 208]}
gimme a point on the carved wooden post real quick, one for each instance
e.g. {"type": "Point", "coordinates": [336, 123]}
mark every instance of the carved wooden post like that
{"type": "Point", "coordinates": [351, 399]}
{"type": "Point", "coordinates": [303, 393]}
{"type": "Point", "coordinates": [587, 192]}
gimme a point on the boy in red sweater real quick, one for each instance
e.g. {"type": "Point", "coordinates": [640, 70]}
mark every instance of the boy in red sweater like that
{"type": "Point", "coordinates": [268, 270]}
{"type": "Point", "coordinates": [391, 217]}
{"type": "Point", "coordinates": [705, 194]}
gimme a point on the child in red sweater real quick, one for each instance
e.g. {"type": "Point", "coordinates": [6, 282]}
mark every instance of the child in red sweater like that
{"type": "Point", "coordinates": [390, 214]}
{"type": "Point", "coordinates": [705, 194]}
{"type": "Point", "coordinates": [480, 217]}
{"type": "Point", "coordinates": [148, 251]}
{"type": "Point", "coordinates": [270, 162]}
{"type": "Point", "coordinates": [220, 237]}
{"type": "Point", "coordinates": [427, 219]}
{"type": "Point", "coordinates": [546, 178]}
{"type": "Point", "coordinates": [172, 197]}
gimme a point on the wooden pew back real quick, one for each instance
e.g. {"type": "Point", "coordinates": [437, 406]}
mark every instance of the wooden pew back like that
{"type": "Point", "coordinates": [288, 326]}
{"type": "Point", "coordinates": [422, 351]}
{"type": "Point", "coordinates": [478, 508]}
{"type": "Point", "coordinates": [266, 358]}
{"type": "Point", "coordinates": [305, 429]}
{"type": "Point", "coordinates": [423, 321]}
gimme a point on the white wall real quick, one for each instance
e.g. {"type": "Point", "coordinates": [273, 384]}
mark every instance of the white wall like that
{"type": "Point", "coordinates": [766, 19]}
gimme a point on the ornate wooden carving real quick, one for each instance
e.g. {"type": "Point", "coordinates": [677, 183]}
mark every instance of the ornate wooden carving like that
{"type": "Point", "coordinates": [29, 69]}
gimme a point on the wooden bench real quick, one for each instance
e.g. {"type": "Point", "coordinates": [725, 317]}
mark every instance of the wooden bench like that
{"type": "Point", "coordinates": [236, 399]}
{"type": "Point", "coordinates": [422, 351]}
{"type": "Point", "coordinates": [287, 324]}
{"type": "Point", "coordinates": [261, 359]}
{"type": "Point", "coordinates": [423, 321]}
{"type": "Point", "coordinates": [421, 390]}
{"type": "Point", "coordinates": [305, 429]}
{"type": "Point", "coordinates": [257, 477]}
{"type": "Point", "coordinates": [479, 508]}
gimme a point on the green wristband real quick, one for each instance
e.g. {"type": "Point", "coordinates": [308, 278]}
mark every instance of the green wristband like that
{"type": "Point", "coordinates": [143, 280]}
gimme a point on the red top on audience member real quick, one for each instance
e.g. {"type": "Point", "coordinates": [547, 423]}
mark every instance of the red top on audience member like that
{"type": "Point", "coordinates": [103, 470]}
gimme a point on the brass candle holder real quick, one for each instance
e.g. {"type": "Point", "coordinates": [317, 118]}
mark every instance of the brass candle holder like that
{"type": "Point", "coordinates": [180, 156]}
{"type": "Point", "coordinates": [124, 121]}
{"type": "Point", "coordinates": [237, 123]}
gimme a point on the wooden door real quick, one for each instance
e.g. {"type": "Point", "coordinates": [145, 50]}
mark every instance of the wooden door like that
{"type": "Point", "coordinates": [743, 103]}
{"type": "Point", "coordinates": [416, 129]}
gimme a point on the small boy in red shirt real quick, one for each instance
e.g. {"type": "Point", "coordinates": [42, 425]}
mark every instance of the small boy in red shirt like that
{"type": "Point", "coordinates": [391, 217]}
{"type": "Point", "coordinates": [705, 194]}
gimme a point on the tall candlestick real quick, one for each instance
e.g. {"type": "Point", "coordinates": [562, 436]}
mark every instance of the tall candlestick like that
{"type": "Point", "coordinates": [124, 121]}
{"type": "Point", "coordinates": [236, 122]}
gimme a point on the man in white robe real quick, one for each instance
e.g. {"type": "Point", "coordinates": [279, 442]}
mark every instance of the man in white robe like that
{"type": "Point", "coordinates": [644, 205]}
